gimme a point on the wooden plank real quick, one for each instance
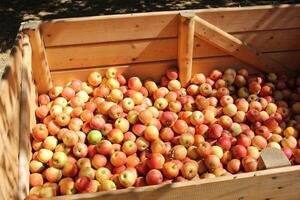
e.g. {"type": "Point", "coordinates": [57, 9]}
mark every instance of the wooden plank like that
{"type": "Point", "coordinates": [290, 59]}
{"type": "Point", "coordinates": [203, 65]}
{"type": "Point", "coordinates": [234, 46]}
{"type": "Point", "coordinates": [107, 29]}
{"type": "Point", "coordinates": [10, 82]}
{"type": "Point", "coordinates": [272, 157]}
{"type": "Point", "coordinates": [41, 71]}
{"type": "Point", "coordinates": [27, 118]}
{"type": "Point", "coordinates": [119, 53]}
{"type": "Point", "coordinates": [253, 18]}
{"type": "Point", "coordinates": [152, 70]}
{"type": "Point", "coordinates": [280, 183]}
{"type": "Point", "coordinates": [185, 46]}
{"type": "Point", "coordinates": [164, 24]}
{"type": "Point", "coordinates": [112, 53]}
{"type": "Point", "coordinates": [268, 41]}
{"type": "Point", "coordinates": [206, 65]}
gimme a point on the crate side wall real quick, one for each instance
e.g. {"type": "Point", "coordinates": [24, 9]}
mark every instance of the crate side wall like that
{"type": "Point", "coordinates": [10, 83]}
{"type": "Point", "coordinates": [126, 41]}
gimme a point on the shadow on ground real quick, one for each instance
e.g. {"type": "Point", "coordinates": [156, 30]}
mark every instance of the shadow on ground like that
{"type": "Point", "coordinates": [13, 12]}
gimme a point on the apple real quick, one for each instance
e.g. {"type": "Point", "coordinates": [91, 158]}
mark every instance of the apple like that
{"type": "Point", "coordinates": [127, 178]}
{"type": "Point", "coordinates": [134, 83]}
{"type": "Point", "coordinates": [180, 126]}
{"type": "Point", "coordinates": [70, 169]}
{"type": "Point", "coordinates": [233, 166]}
{"type": "Point", "coordinates": [59, 159]}
{"type": "Point", "coordinates": [288, 152]}
{"type": "Point", "coordinates": [80, 150]}
{"type": "Point", "coordinates": [289, 142]}
{"type": "Point", "coordinates": [94, 137]}
{"type": "Point", "coordinates": [151, 133]}
{"type": "Point", "coordinates": [36, 166]}
{"type": "Point", "coordinates": [42, 111]}
{"type": "Point", "coordinates": [168, 118]}
{"type": "Point", "coordinates": [50, 143]}
{"type": "Point", "coordinates": [115, 112]}
{"type": "Point", "coordinates": [115, 136]}
{"type": "Point", "coordinates": [44, 155]}
{"type": "Point", "coordinates": [35, 179]}
{"type": "Point", "coordinates": [225, 142]}
{"type": "Point", "coordinates": [170, 169]}
{"type": "Point", "coordinates": [40, 132]}
{"type": "Point", "coordinates": [154, 177]}
{"type": "Point", "coordinates": [94, 79]}
{"type": "Point", "coordinates": [83, 183]}
{"type": "Point", "coordinates": [186, 140]}
{"type": "Point", "coordinates": [142, 144]}
{"type": "Point", "coordinates": [102, 174]}
{"type": "Point", "coordinates": [129, 147]}
{"type": "Point", "coordinates": [166, 134]}
{"type": "Point", "coordinates": [212, 162]}
{"type": "Point", "coordinates": [70, 138]}
{"type": "Point", "coordinates": [158, 146]}
{"type": "Point", "coordinates": [189, 170]}
{"type": "Point", "coordinates": [127, 104]}
{"type": "Point", "coordinates": [67, 186]}
{"type": "Point", "coordinates": [204, 149]}
{"type": "Point", "coordinates": [53, 174]}
{"type": "Point", "coordinates": [249, 164]}
{"type": "Point", "coordinates": [215, 131]}
{"type": "Point", "coordinates": [122, 124]}
{"type": "Point", "coordinates": [155, 161]}
{"type": "Point", "coordinates": [179, 152]}
{"type": "Point", "coordinates": [118, 158]}
{"type": "Point", "coordinates": [87, 171]}
{"type": "Point", "coordinates": [216, 150]}
{"type": "Point", "coordinates": [107, 185]}
{"type": "Point", "coordinates": [239, 151]}
{"type": "Point", "coordinates": [161, 103]}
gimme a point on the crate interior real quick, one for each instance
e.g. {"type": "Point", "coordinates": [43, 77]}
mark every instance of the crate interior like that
{"type": "Point", "coordinates": [139, 42]}
{"type": "Point", "coordinates": [145, 45]}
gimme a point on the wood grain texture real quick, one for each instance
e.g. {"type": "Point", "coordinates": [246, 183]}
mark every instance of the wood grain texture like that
{"type": "Point", "coordinates": [118, 53]}
{"type": "Point", "coordinates": [41, 71]}
{"type": "Point", "coordinates": [110, 28]}
{"type": "Point", "coordinates": [10, 84]}
{"type": "Point", "coordinates": [290, 59]}
{"type": "Point", "coordinates": [27, 117]}
{"type": "Point", "coordinates": [156, 69]}
{"type": "Point", "coordinates": [112, 53]}
{"type": "Point", "coordinates": [277, 184]}
{"type": "Point", "coordinates": [185, 46]}
{"type": "Point", "coordinates": [152, 70]}
{"type": "Point", "coordinates": [253, 18]}
{"type": "Point", "coordinates": [235, 47]}
{"type": "Point", "coordinates": [164, 24]}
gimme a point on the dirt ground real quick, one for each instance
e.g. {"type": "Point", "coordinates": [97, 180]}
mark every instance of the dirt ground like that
{"type": "Point", "coordinates": [13, 12]}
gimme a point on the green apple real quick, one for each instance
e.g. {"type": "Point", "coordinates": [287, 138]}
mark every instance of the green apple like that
{"type": "Point", "coordinates": [94, 136]}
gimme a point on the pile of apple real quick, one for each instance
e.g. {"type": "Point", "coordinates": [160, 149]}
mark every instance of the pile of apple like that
{"type": "Point", "coordinates": [110, 133]}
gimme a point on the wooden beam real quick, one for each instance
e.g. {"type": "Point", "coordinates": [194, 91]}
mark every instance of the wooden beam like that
{"type": "Point", "coordinates": [235, 47]}
{"type": "Point", "coordinates": [40, 68]}
{"type": "Point", "coordinates": [185, 46]}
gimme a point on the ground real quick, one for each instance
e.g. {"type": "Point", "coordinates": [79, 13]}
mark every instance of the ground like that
{"type": "Point", "coordinates": [13, 12]}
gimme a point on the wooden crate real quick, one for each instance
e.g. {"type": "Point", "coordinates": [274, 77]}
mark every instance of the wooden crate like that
{"type": "Point", "coordinates": [144, 45]}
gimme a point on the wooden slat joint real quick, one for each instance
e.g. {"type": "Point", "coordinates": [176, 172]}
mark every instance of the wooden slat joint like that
{"type": "Point", "coordinates": [30, 25]}
{"type": "Point", "coordinates": [235, 47]}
